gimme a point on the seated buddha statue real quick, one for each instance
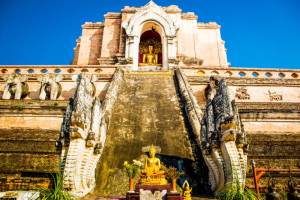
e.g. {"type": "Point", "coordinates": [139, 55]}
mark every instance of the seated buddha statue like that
{"type": "Point", "coordinates": [152, 172]}
{"type": "Point", "coordinates": [150, 58]}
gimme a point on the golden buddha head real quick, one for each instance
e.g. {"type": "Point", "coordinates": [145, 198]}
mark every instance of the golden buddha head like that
{"type": "Point", "coordinates": [152, 151]}
{"type": "Point", "coordinates": [150, 49]}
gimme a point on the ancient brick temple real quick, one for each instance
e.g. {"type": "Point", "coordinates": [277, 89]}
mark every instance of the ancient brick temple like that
{"type": "Point", "coordinates": [146, 75]}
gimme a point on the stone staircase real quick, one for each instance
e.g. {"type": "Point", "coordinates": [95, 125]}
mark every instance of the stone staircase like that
{"type": "Point", "coordinates": [147, 111]}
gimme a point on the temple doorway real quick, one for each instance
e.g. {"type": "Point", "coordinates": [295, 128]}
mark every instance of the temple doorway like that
{"type": "Point", "coordinates": [150, 48]}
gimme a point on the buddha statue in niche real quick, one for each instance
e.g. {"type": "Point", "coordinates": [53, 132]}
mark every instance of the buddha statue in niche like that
{"type": "Point", "coordinates": [150, 58]}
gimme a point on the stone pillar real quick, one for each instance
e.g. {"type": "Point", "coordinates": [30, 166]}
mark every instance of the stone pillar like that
{"type": "Point", "coordinates": [111, 38]}
{"type": "Point", "coordinates": [122, 42]}
{"type": "Point", "coordinates": [165, 49]}
{"type": "Point", "coordinates": [132, 50]}
{"type": "Point", "coordinates": [171, 48]}
{"type": "Point", "coordinates": [90, 43]}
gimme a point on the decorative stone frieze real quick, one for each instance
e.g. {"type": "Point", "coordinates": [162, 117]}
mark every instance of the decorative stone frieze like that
{"type": "Point", "coordinates": [241, 93]}
{"type": "Point", "coordinates": [273, 96]}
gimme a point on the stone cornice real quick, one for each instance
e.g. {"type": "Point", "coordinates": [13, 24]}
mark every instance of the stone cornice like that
{"type": "Point", "coordinates": [32, 107]}
{"type": "Point", "coordinates": [172, 9]}
{"type": "Point", "coordinates": [112, 15]}
{"type": "Point", "coordinates": [210, 25]}
{"type": "Point", "coordinates": [189, 16]}
{"type": "Point", "coordinates": [238, 68]}
{"type": "Point", "coordinates": [56, 69]}
{"type": "Point", "coordinates": [66, 78]}
{"type": "Point", "coordinates": [90, 25]}
{"type": "Point", "coordinates": [167, 9]}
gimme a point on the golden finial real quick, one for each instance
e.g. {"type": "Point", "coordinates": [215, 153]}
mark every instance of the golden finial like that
{"type": "Point", "coordinates": [186, 190]}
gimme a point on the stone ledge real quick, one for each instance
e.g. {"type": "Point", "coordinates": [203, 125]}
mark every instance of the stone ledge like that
{"type": "Point", "coordinates": [210, 25]}
{"type": "Point", "coordinates": [189, 16]}
{"type": "Point", "coordinates": [242, 81]}
{"type": "Point", "coordinates": [245, 107]}
{"type": "Point", "coordinates": [112, 15]}
{"type": "Point", "coordinates": [90, 25]}
{"type": "Point", "coordinates": [28, 103]}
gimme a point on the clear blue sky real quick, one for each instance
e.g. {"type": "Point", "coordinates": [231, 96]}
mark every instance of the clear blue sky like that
{"type": "Point", "coordinates": [258, 33]}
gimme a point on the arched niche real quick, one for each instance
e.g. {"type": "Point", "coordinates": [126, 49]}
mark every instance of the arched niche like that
{"type": "Point", "coordinates": [151, 35]}
{"type": "Point", "coordinates": [148, 16]}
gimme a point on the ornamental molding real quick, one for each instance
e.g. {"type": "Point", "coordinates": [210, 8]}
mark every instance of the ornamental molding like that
{"type": "Point", "coordinates": [168, 9]}
{"type": "Point", "coordinates": [233, 81]}
{"type": "Point", "coordinates": [275, 106]}
{"type": "Point", "coordinates": [150, 12]}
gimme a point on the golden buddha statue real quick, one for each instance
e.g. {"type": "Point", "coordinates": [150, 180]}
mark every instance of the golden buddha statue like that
{"type": "Point", "coordinates": [150, 58]}
{"type": "Point", "coordinates": [152, 173]}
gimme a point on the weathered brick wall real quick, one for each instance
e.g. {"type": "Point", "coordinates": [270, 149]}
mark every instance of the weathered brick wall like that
{"type": "Point", "coordinates": [28, 145]}
{"type": "Point", "coordinates": [276, 152]}
{"type": "Point", "coordinates": [96, 46]}
{"type": "Point", "coordinates": [10, 182]}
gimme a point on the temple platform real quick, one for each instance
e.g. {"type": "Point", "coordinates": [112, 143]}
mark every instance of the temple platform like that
{"type": "Point", "coordinates": [149, 68]}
